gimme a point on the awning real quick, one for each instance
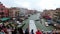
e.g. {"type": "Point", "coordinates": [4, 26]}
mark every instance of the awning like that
{"type": "Point", "coordinates": [4, 19]}
{"type": "Point", "coordinates": [48, 17]}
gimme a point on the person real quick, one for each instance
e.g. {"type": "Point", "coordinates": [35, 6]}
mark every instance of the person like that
{"type": "Point", "coordinates": [9, 30]}
{"type": "Point", "coordinates": [54, 31]}
{"type": "Point", "coordinates": [43, 32]}
{"type": "Point", "coordinates": [38, 32]}
{"type": "Point", "coordinates": [32, 31]}
{"type": "Point", "coordinates": [20, 30]}
{"type": "Point", "coordinates": [14, 31]}
{"type": "Point", "coordinates": [27, 31]}
{"type": "Point", "coordinates": [4, 29]}
{"type": "Point", "coordinates": [1, 32]}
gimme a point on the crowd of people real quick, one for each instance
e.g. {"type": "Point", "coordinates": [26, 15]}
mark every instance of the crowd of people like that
{"type": "Point", "coordinates": [11, 28]}
{"type": "Point", "coordinates": [42, 32]}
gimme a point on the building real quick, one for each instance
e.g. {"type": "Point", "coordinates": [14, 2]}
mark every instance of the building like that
{"type": "Point", "coordinates": [57, 18]}
{"type": "Point", "coordinates": [32, 11]}
{"type": "Point", "coordinates": [23, 11]}
{"type": "Point", "coordinates": [57, 13]}
{"type": "Point", "coordinates": [14, 12]}
{"type": "Point", "coordinates": [49, 13]}
{"type": "Point", "coordinates": [54, 14]}
{"type": "Point", "coordinates": [4, 11]}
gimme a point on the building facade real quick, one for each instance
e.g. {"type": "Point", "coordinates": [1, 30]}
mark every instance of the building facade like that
{"type": "Point", "coordinates": [4, 11]}
{"type": "Point", "coordinates": [57, 13]}
{"type": "Point", "coordinates": [23, 11]}
{"type": "Point", "coordinates": [49, 13]}
{"type": "Point", "coordinates": [14, 12]}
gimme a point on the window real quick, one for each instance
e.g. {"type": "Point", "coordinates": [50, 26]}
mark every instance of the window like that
{"type": "Point", "coordinates": [1, 13]}
{"type": "Point", "coordinates": [1, 9]}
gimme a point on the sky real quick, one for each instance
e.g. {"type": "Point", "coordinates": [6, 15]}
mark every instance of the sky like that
{"type": "Point", "coordinates": [32, 4]}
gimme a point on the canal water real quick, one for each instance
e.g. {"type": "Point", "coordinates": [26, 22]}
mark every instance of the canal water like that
{"type": "Point", "coordinates": [39, 25]}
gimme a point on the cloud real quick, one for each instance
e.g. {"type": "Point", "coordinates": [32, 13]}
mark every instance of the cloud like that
{"type": "Point", "coordinates": [26, 4]}
{"type": "Point", "coordinates": [8, 3]}
{"type": "Point", "coordinates": [23, 4]}
{"type": "Point", "coordinates": [32, 4]}
{"type": "Point", "coordinates": [48, 4]}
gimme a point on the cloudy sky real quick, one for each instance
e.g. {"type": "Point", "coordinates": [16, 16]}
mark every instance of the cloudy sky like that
{"type": "Point", "coordinates": [32, 4]}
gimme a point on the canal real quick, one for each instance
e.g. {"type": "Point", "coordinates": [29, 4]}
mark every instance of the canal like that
{"type": "Point", "coordinates": [39, 25]}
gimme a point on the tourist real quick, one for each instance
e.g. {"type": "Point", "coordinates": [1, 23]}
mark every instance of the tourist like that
{"type": "Point", "coordinates": [20, 30]}
{"type": "Point", "coordinates": [9, 30]}
{"type": "Point", "coordinates": [1, 32]}
{"type": "Point", "coordinates": [32, 31]}
{"type": "Point", "coordinates": [54, 31]}
{"type": "Point", "coordinates": [38, 32]}
{"type": "Point", "coordinates": [4, 29]}
{"type": "Point", "coordinates": [14, 31]}
{"type": "Point", "coordinates": [27, 31]}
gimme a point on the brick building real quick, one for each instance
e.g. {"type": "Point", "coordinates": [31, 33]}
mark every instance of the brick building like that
{"type": "Point", "coordinates": [4, 11]}
{"type": "Point", "coordinates": [14, 12]}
